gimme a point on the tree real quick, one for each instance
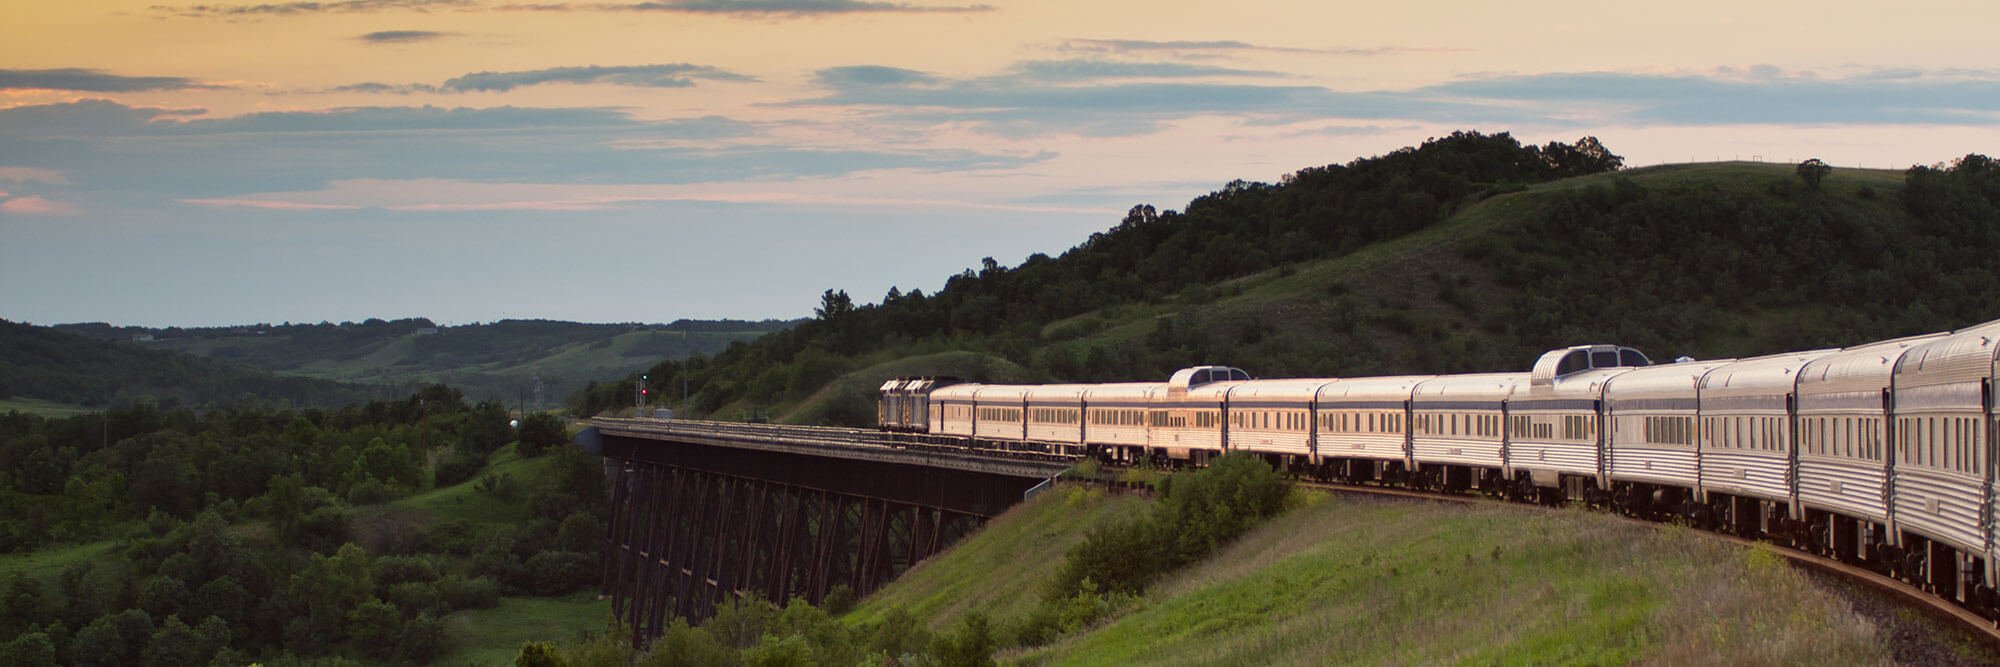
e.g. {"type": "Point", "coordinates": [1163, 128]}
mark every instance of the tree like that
{"type": "Point", "coordinates": [1813, 171]}
{"type": "Point", "coordinates": [834, 305]}
{"type": "Point", "coordinates": [33, 649]}
{"type": "Point", "coordinates": [540, 432]}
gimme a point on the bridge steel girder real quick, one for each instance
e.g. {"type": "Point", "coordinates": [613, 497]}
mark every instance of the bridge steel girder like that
{"type": "Point", "coordinates": [694, 524]}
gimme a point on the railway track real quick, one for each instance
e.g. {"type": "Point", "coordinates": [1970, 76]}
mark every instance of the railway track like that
{"type": "Point", "coordinates": [1931, 605]}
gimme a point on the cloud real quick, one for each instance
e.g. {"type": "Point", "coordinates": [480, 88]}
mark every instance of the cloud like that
{"type": "Point", "coordinates": [401, 36]}
{"type": "Point", "coordinates": [1092, 69]}
{"type": "Point", "coordinates": [139, 155]}
{"type": "Point", "coordinates": [872, 75]}
{"type": "Point", "coordinates": [1096, 98]}
{"type": "Point", "coordinates": [1197, 48]}
{"type": "Point", "coordinates": [301, 8]}
{"type": "Point", "coordinates": [90, 80]}
{"type": "Point", "coordinates": [785, 8]}
{"type": "Point", "coordinates": [32, 175]}
{"type": "Point", "coordinates": [1116, 98]}
{"type": "Point", "coordinates": [35, 205]}
{"type": "Point", "coordinates": [1754, 95]}
{"type": "Point", "coordinates": [678, 75]}
{"type": "Point", "coordinates": [437, 195]}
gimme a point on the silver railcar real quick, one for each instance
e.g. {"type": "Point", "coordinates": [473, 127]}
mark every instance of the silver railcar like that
{"type": "Point", "coordinates": [1941, 489]}
{"type": "Point", "coordinates": [1364, 432]}
{"type": "Point", "coordinates": [1650, 452]}
{"type": "Point", "coordinates": [1844, 412]}
{"type": "Point", "coordinates": [1746, 443]}
{"type": "Point", "coordinates": [1273, 416]}
{"type": "Point", "coordinates": [1457, 433]}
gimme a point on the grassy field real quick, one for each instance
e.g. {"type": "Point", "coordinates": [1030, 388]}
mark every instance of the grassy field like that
{"type": "Point", "coordinates": [36, 406]}
{"type": "Point", "coordinates": [459, 502]}
{"type": "Point", "coordinates": [494, 636]}
{"type": "Point", "coordinates": [1001, 569]}
{"type": "Point", "coordinates": [1377, 582]}
{"type": "Point", "coordinates": [48, 563]}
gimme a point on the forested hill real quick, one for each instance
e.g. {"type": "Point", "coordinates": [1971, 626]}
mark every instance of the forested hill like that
{"type": "Point", "coordinates": [63, 368]}
{"type": "Point", "coordinates": [501, 360]}
{"type": "Point", "coordinates": [1471, 252]}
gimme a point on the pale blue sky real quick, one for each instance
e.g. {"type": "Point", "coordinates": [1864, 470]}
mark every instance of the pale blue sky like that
{"type": "Point", "coordinates": [215, 162]}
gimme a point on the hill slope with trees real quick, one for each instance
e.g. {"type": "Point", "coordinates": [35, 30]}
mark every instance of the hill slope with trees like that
{"type": "Point", "coordinates": [499, 360]}
{"type": "Point", "coordinates": [64, 368]}
{"type": "Point", "coordinates": [1471, 252]}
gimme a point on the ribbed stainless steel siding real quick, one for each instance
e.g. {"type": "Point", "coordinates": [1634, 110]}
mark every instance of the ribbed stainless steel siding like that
{"type": "Point", "coordinates": [1741, 474]}
{"type": "Point", "coordinates": [1956, 519]}
{"type": "Point", "coordinates": [1458, 451]}
{"type": "Point", "coordinates": [1572, 458]}
{"type": "Point", "coordinates": [1670, 467]}
{"type": "Point", "coordinates": [1106, 434]}
{"type": "Point", "coordinates": [1385, 446]}
{"type": "Point", "coordinates": [1189, 438]}
{"type": "Point", "coordinates": [1860, 493]}
{"type": "Point", "coordinates": [1271, 442]}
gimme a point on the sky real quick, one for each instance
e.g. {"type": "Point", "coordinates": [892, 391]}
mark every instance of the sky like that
{"type": "Point", "coordinates": [175, 163]}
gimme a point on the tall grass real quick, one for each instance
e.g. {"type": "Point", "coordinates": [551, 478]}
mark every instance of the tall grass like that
{"type": "Point", "coordinates": [1370, 582]}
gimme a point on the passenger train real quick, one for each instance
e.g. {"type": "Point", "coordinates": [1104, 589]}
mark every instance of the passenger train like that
{"type": "Point", "coordinates": [1880, 454]}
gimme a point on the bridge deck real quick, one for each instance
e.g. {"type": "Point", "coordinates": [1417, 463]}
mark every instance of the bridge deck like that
{"type": "Point", "coordinates": [844, 443]}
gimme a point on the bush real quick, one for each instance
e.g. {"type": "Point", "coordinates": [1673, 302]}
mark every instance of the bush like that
{"type": "Point", "coordinates": [683, 646]}
{"type": "Point", "coordinates": [457, 465]}
{"type": "Point", "coordinates": [581, 532]}
{"type": "Point", "coordinates": [558, 572]}
{"type": "Point", "coordinates": [1199, 512]}
{"type": "Point", "coordinates": [422, 641]}
{"type": "Point", "coordinates": [456, 537]}
{"type": "Point", "coordinates": [372, 491]}
{"type": "Point", "coordinates": [403, 569]}
{"type": "Point", "coordinates": [541, 432]}
{"type": "Point", "coordinates": [459, 592]}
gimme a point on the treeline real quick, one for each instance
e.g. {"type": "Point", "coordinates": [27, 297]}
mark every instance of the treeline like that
{"type": "Point", "coordinates": [1151, 256]}
{"type": "Point", "coordinates": [37, 362]}
{"type": "Point", "coordinates": [237, 536]}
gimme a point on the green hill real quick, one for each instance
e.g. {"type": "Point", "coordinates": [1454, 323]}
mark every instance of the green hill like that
{"type": "Point", "coordinates": [1468, 253]}
{"type": "Point", "coordinates": [1355, 581]}
{"type": "Point", "coordinates": [501, 360]}
{"type": "Point", "coordinates": [52, 372]}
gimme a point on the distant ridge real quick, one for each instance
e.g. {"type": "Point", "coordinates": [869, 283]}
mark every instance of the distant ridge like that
{"type": "Point", "coordinates": [65, 368]}
{"type": "Point", "coordinates": [498, 360]}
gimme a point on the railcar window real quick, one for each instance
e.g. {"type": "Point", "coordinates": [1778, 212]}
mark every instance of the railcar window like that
{"type": "Point", "coordinates": [1604, 359]}
{"type": "Point", "coordinates": [1573, 362]}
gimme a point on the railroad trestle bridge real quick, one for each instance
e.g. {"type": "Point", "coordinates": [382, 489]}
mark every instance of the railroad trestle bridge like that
{"type": "Point", "coordinates": [704, 510]}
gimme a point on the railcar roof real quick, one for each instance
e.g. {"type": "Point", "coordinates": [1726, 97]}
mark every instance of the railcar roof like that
{"type": "Point", "coordinates": [1759, 376]}
{"type": "Point", "coordinates": [1664, 381]}
{"type": "Point", "coordinates": [1860, 368]}
{"type": "Point", "coordinates": [1967, 355]}
{"type": "Point", "coordinates": [1475, 386]}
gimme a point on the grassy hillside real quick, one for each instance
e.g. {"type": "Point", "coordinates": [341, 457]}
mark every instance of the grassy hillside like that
{"type": "Point", "coordinates": [1391, 582]}
{"type": "Point", "coordinates": [499, 360]}
{"type": "Point", "coordinates": [1002, 569]}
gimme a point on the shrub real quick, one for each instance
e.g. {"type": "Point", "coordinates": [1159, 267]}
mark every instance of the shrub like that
{"type": "Point", "coordinates": [455, 537]}
{"type": "Point", "coordinates": [558, 572]}
{"type": "Point", "coordinates": [403, 569]}
{"type": "Point", "coordinates": [423, 639]}
{"type": "Point", "coordinates": [459, 592]}
{"type": "Point", "coordinates": [457, 465]}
